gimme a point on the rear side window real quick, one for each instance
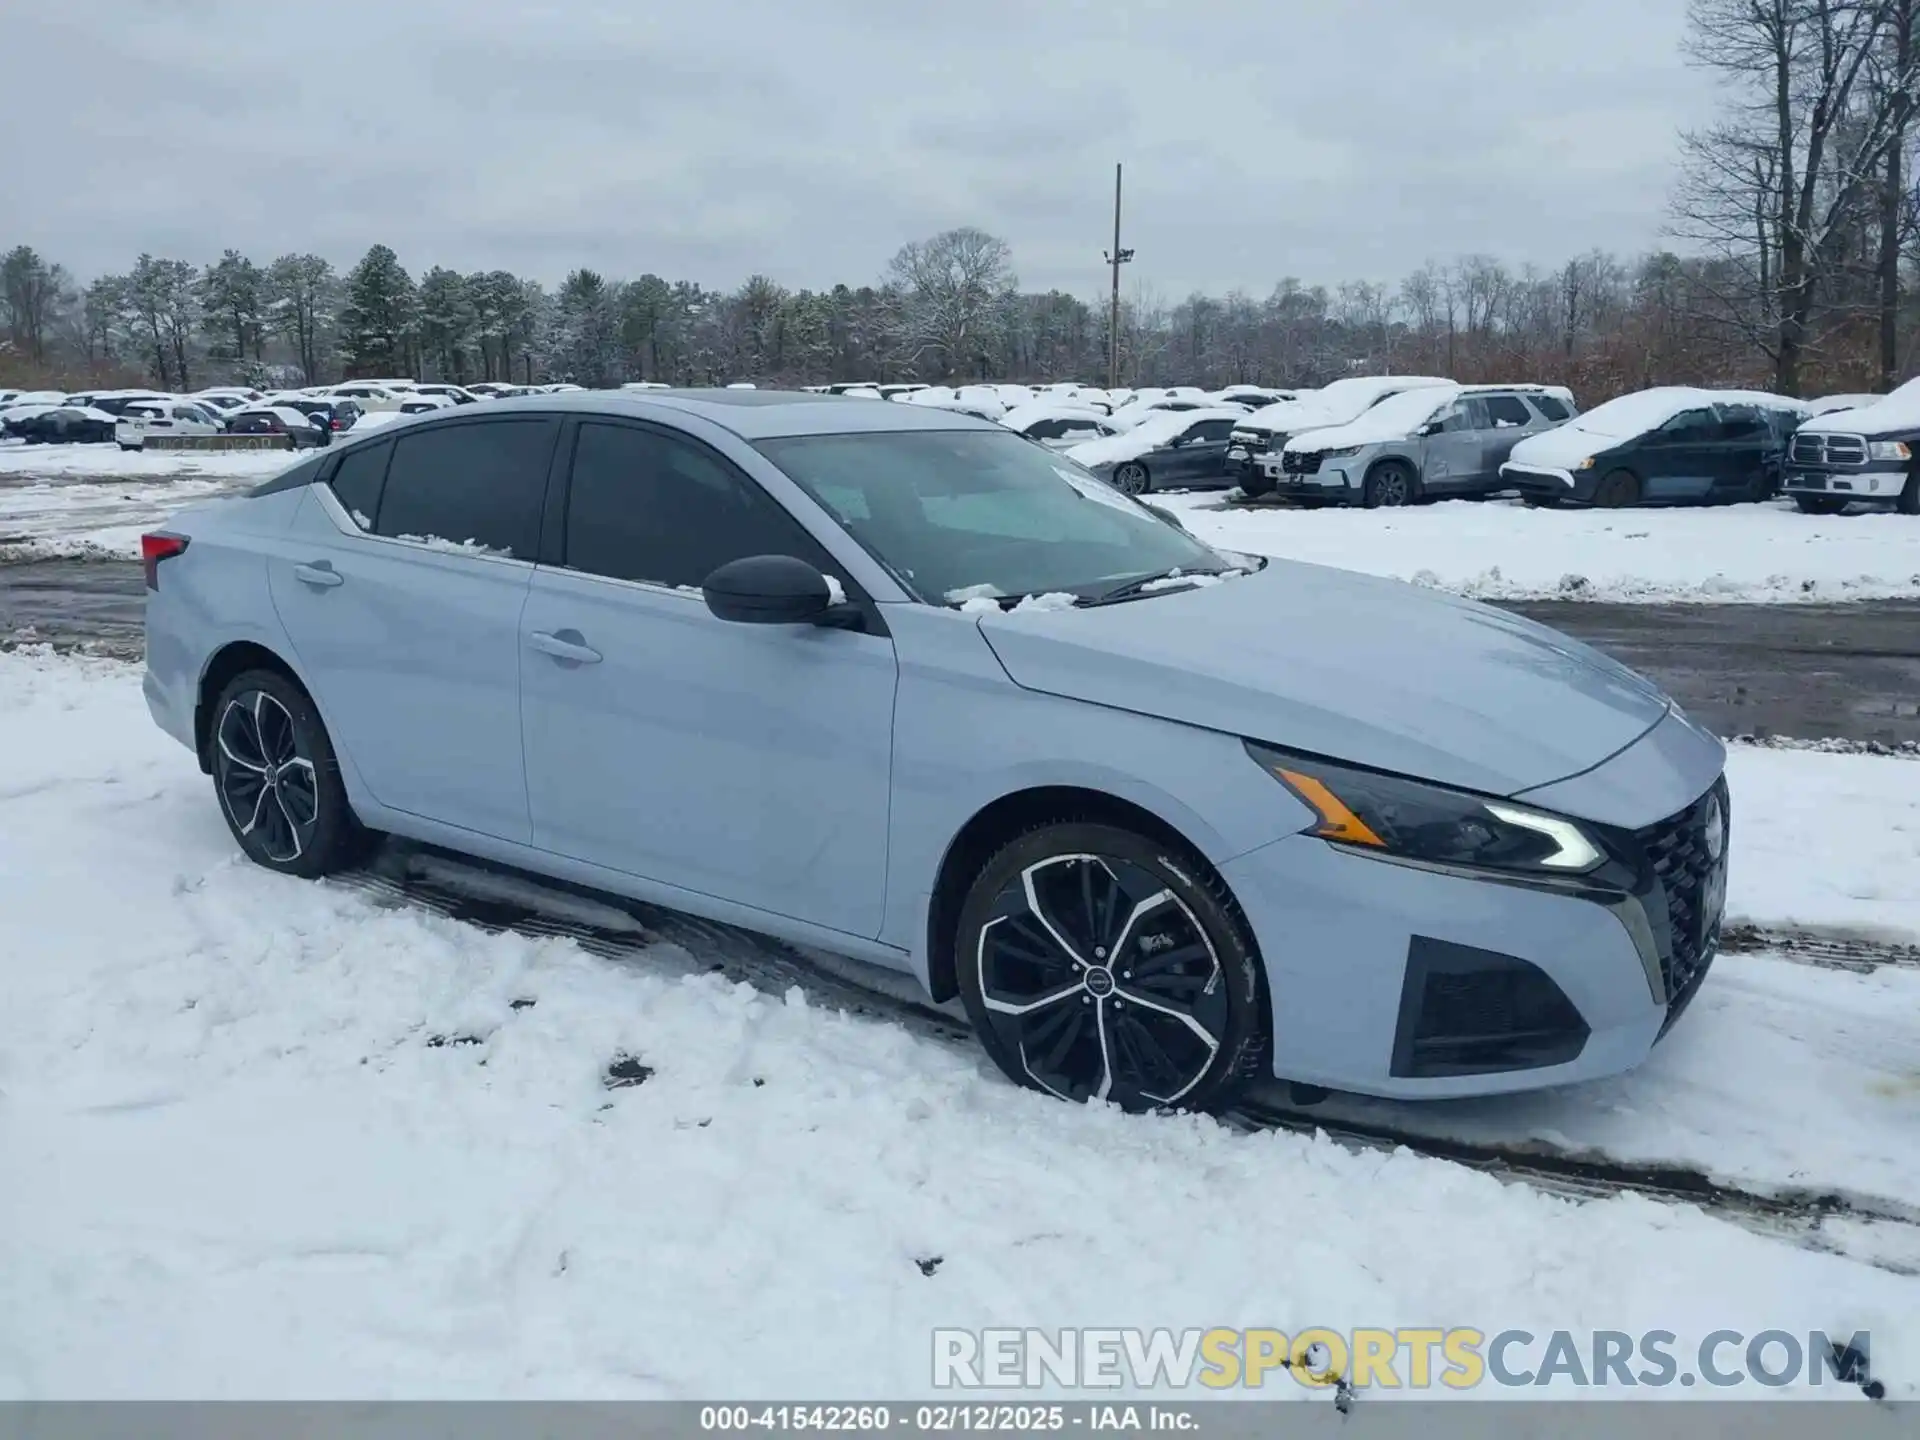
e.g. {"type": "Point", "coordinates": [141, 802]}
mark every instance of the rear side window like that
{"type": "Point", "coordinates": [1551, 406]}
{"type": "Point", "coordinates": [1508, 410]}
{"type": "Point", "coordinates": [358, 480]}
{"type": "Point", "coordinates": [478, 486]}
{"type": "Point", "coordinates": [653, 507]}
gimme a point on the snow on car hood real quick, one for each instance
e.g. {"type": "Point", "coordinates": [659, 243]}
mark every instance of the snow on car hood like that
{"type": "Point", "coordinates": [1397, 417]}
{"type": "Point", "coordinates": [1895, 413]}
{"type": "Point", "coordinates": [1372, 671]}
{"type": "Point", "coordinates": [1562, 448]}
{"type": "Point", "coordinates": [1339, 404]}
{"type": "Point", "coordinates": [1156, 429]}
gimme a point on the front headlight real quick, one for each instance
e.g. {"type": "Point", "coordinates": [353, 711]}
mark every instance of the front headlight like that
{"type": "Point", "coordinates": [1341, 453]}
{"type": "Point", "coordinates": [1586, 464]}
{"type": "Point", "coordinates": [1387, 815]}
{"type": "Point", "coordinates": [1889, 450]}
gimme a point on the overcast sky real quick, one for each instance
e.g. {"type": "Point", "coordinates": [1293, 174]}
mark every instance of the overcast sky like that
{"type": "Point", "coordinates": [808, 139]}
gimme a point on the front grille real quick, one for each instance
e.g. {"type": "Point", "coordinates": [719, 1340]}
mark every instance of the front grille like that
{"type": "Point", "coordinates": [1248, 438]}
{"type": "Point", "coordinates": [1296, 462]}
{"type": "Point", "coordinates": [1818, 449]}
{"type": "Point", "coordinates": [1678, 850]}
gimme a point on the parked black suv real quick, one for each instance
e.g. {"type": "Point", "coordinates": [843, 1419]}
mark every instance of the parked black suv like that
{"type": "Point", "coordinates": [1869, 456]}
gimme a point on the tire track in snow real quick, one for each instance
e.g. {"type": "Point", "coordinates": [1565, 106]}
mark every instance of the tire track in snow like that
{"type": "Point", "coordinates": [1877, 1231]}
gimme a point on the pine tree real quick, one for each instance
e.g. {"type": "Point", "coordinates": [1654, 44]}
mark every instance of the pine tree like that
{"type": "Point", "coordinates": [164, 302]}
{"type": "Point", "coordinates": [449, 323]}
{"type": "Point", "coordinates": [586, 332]}
{"type": "Point", "coordinates": [378, 317]}
{"type": "Point", "coordinates": [300, 292]}
{"type": "Point", "coordinates": [233, 304]}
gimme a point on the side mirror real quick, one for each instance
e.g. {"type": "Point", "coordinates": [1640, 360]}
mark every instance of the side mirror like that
{"type": "Point", "coordinates": [1432, 427]}
{"type": "Point", "coordinates": [774, 590]}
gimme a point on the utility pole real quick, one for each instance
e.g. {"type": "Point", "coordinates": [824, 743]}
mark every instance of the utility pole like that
{"type": "Point", "coordinates": [1115, 259]}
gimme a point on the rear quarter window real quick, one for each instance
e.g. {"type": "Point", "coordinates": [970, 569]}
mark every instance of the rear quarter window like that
{"type": "Point", "coordinates": [358, 481]}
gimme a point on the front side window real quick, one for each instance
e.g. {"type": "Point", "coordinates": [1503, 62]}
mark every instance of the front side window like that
{"type": "Point", "coordinates": [1688, 427]}
{"type": "Point", "coordinates": [649, 506]}
{"type": "Point", "coordinates": [478, 486]}
{"type": "Point", "coordinates": [960, 513]}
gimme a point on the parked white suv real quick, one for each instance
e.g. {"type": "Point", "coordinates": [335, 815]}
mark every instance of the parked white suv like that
{"type": "Point", "coordinates": [144, 418]}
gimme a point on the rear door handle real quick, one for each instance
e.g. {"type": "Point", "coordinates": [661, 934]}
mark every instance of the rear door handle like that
{"type": "Point", "coordinates": [564, 645]}
{"type": "Point", "coordinates": [319, 573]}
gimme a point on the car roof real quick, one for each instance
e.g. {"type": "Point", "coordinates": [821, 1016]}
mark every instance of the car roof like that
{"type": "Point", "coordinates": [749, 414]}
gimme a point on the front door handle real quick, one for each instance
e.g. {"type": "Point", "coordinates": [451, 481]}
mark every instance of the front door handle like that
{"type": "Point", "coordinates": [320, 574]}
{"type": "Point", "coordinates": [564, 645]}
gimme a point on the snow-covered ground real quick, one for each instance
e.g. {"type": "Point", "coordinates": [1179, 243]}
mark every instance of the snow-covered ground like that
{"type": "Point", "coordinates": [90, 499]}
{"type": "Point", "coordinates": [237, 1163]}
{"type": "Point", "coordinates": [1499, 550]}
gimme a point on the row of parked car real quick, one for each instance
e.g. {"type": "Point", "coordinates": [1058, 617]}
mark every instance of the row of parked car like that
{"type": "Point", "coordinates": [310, 416]}
{"type": "Point", "coordinates": [1397, 440]}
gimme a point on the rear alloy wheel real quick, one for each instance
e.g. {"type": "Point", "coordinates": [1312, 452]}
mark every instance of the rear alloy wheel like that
{"type": "Point", "coordinates": [1390, 483]}
{"type": "Point", "coordinates": [1096, 965]}
{"type": "Point", "coordinates": [1819, 504]}
{"type": "Point", "coordinates": [1617, 491]}
{"type": "Point", "coordinates": [277, 779]}
{"type": "Point", "coordinates": [1131, 479]}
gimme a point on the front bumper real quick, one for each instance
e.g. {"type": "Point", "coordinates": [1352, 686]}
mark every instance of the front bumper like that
{"type": "Point", "coordinates": [1328, 479]}
{"type": "Point", "coordinates": [1869, 485]}
{"type": "Point", "coordinates": [1545, 483]}
{"type": "Point", "coordinates": [1416, 983]}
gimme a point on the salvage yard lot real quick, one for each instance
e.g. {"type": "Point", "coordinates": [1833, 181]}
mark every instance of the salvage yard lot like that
{"type": "Point", "coordinates": [334, 1144]}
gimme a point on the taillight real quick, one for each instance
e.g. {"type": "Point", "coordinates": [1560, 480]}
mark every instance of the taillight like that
{"type": "Point", "coordinates": [157, 547]}
{"type": "Point", "coordinates": [336, 423]}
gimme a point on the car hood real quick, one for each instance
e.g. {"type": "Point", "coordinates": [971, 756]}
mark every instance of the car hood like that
{"type": "Point", "coordinates": [1563, 448]}
{"type": "Point", "coordinates": [1325, 661]}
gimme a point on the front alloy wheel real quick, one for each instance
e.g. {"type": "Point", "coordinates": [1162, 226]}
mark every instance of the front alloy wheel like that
{"type": "Point", "coordinates": [1093, 969]}
{"type": "Point", "coordinates": [1131, 478]}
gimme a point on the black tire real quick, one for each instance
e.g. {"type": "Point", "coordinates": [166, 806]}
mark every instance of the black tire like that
{"type": "Point", "coordinates": [1132, 479]}
{"type": "Point", "coordinates": [1256, 483]}
{"type": "Point", "coordinates": [1391, 483]}
{"type": "Point", "coordinates": [1619, 490]}
{"type": "Point", "coordinates": [1095, 1033]}
{"type": "Point", "coordinates": [1819, 504]}
{"type": "Point", "coordinates": [297, 822]}
{"type": "Point", "coordinates": [1538, 502]}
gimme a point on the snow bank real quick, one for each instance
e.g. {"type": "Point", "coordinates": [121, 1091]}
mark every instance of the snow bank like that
{"type": "Point", "coordinates": [1498, 550]}
{"type": "Point", "coordinates": [93, 518]}
{"type": "Point", "coordinates": [1836, 841]}
{"type": "Point", "coordinates": [110, 461]}
{"type": "Point", "coordinates": [337, 1149]}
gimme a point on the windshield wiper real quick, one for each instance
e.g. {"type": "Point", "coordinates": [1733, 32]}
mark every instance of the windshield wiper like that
{"type": "Point", "coordinates": [1150, 585]}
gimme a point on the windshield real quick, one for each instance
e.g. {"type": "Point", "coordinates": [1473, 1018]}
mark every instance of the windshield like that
{"type": "Point", "coordinates": [964, 514]}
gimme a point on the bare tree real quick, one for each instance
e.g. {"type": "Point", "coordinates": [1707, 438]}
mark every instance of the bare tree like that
{"type": "Point", "coordinates": [1778, 185]}
{"type": "Point", "coordinates": [957, 286]}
